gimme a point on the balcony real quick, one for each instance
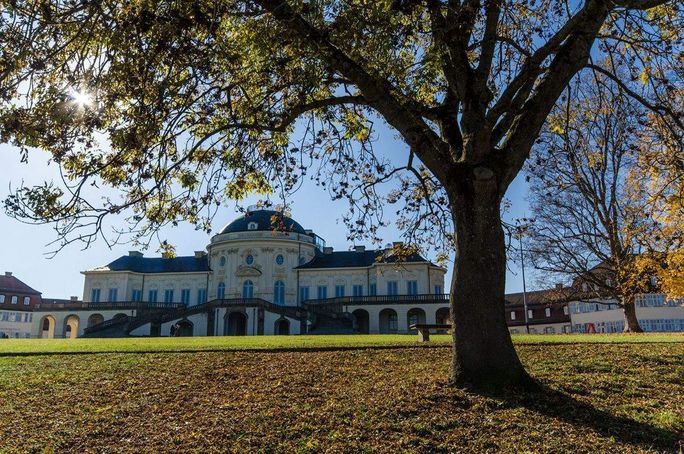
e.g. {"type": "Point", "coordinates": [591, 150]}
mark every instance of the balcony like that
{"type": "Point", "coordinates": [380, 299]}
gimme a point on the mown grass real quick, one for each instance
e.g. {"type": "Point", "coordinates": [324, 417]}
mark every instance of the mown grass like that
{"type": "Point", "coordinates": [219, 343]}
{"type": "Point", "coordinates": [595, 397]}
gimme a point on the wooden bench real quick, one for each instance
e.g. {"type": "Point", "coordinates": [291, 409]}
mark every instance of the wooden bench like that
{"type": "Point", "coordinates": [424, 330]}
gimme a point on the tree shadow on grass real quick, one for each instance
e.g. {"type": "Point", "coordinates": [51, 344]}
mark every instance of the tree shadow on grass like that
{"type": "Point", "coordinates": [556, 404]}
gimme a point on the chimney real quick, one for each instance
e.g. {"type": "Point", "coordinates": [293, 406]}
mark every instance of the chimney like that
{"type": "Point", "coordinates": [327, 250]}
{"type": "Point", "coordinates": [8, 273]}
{"type": "Point", "coordinates": [559, 286]}
{"type": "Point", "coordinates": [200, 254]}
{"type": "Point", "coordinates": [73, 298]}
{"type": "Point", "coordinates": [360, 248]}
{"type": "Point", "coordinates": [135, 254]}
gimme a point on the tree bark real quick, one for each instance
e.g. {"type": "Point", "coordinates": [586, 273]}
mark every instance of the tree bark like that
{"type": "Point", "coordinates": [483, 355]}
{"type": "Point", "coordinates": [631, 321]}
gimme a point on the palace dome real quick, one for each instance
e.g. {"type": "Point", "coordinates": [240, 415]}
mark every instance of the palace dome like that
{"type": "Point", "coordinates": [263, 220]}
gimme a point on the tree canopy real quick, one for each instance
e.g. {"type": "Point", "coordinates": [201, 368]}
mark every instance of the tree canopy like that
{"type": "Point", "coordinates": [182, 105]}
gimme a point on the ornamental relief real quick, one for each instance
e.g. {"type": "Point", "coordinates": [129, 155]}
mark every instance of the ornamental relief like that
{"type": "Point", "coordinates": [244, 271]}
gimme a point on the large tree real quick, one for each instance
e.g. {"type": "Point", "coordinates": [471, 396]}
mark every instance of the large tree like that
{"type": "Point", "coordinates": [203, 101]}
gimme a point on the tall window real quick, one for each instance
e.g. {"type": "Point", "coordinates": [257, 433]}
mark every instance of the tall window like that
{"type": "Point", "coordinates": [512, 315]}
{"type": "Point", "coordinates": [303, 293]}
{"type": "Point", "coordinates": [222, 261]}
{"type": "Point", "coordinates": [547, 312]}
{"type": "Point", "coordinates": [248, 289]}
{"type": "Point", "coordinates": [392, 288]}
{"type": "Point", "coordinates": [529, 314]}
{"type": "Point", "coordinates": [95, 295]}
{"type": "Point", "coordinates": [201, 296]}
{"type": "Point", "coordinates": [249, 259]}
{"type": "Point", "coordinates": [411, 287]}
{"type": "Point", "coordinates": [15, 299]}
{"type": "Point", "coordinates": [168, 295]}
{"type": "Point", "coordinates": [221, 291]}
{"type": "Point", "coordinates": [2, 299]}
{"type": "Point", "coordinates": [322, 292]}
{"type": "Point", "coordinates": [393, 322]}
{"type": "Point", "coordinates": [152, 295]}
{"type": "Point", "coordinates": [565, 310]}
{"type": "Point", "coordinates": [279, 292]}
{"type": "Point", "coordinates": [439, 290]}
{"type": "Point", "coordinates": [357, 290]}
{"type": "Point", "coordinates": [373, 289]}
{"type": "Point", "coordinates": [339, 291]}
{"type": "Point", "coordinates": [112, 296]}
{"type": "Point", "coordinates": [137, 295]}
{"type": "Point", "coordinates": [185, 296]}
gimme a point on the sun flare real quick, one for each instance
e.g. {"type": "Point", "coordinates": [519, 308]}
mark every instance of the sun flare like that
{"type": "Point", "coordinates": [81, 98]}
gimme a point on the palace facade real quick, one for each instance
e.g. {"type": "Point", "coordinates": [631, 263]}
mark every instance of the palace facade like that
{"type": "Point", "coordinates": [263, 273]}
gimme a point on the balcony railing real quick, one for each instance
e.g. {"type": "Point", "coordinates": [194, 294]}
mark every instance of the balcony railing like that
{"type": "Point", "coordinates": [380, 299]}
{"type": "Point", "coordinates": [118, 305]}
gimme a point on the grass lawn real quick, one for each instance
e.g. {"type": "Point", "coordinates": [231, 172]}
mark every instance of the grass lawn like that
{"type": "Point", "coordinates": [598, 396]}
{"type": "Point", "coordinates": [220, 343]}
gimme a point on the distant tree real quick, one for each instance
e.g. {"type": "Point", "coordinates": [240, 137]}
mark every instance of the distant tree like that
{"type": "Point", "coordinates": [594, 212]}
{"type": "Point", "coordinates": [661, 163]}
{"type": "Point", "coordinates": [183, 105]}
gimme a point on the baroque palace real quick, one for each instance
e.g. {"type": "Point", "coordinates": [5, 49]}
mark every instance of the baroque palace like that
{"type": "Point", "coordinates": [263, 274]}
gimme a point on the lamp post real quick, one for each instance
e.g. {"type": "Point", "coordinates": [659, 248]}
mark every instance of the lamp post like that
{"type": "Point", "coordinates": [520, 228]}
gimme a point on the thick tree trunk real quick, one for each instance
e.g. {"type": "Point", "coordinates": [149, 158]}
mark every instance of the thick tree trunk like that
{"type": "Point", "coordinates": [631, 320]}
{"type": "Point", "coordinates": [483, 355]}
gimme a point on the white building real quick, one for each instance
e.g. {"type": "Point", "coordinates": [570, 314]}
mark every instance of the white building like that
{"type": "Point", "coordinates": [655, 312]}
{"type": "Point", "coordinates": [262, 274]}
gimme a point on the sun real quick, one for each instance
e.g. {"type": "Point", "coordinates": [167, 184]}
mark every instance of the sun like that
{"type": "Point", "coordinates": [81, 98]}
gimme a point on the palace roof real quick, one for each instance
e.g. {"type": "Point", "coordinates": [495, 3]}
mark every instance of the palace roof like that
{"type": "Point", "coordinates": [264, 220]}
{"type": "Point", "coordinates": [355, 259]}
{"type": "Point", "coordinates": [138, 264]}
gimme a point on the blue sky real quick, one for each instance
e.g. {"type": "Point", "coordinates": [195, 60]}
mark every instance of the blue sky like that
{"type": "Point", "coordinates": [24, 248]}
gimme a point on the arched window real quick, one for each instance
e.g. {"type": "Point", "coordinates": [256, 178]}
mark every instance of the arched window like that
{"type": "Point", "coordinates": [222, 261]}
{"type": "Point", "coordinates": [221, 292]}
{"type": "Point", "coordinates": [252, 226]}
{"type": "Point", "coordinates": [280, 259]}
{"type": "Point", "coordinates": [249, 259]}
{"type": "Point", "coordinates": [248, 289]}
{"type": "Point", "coordinates": [279, 292]}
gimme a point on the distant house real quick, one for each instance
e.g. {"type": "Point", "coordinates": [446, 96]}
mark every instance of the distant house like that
{"type": "Point", "coordinates": [17, 302]}
{"type": "Point", "coordinates": [547, 312]}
